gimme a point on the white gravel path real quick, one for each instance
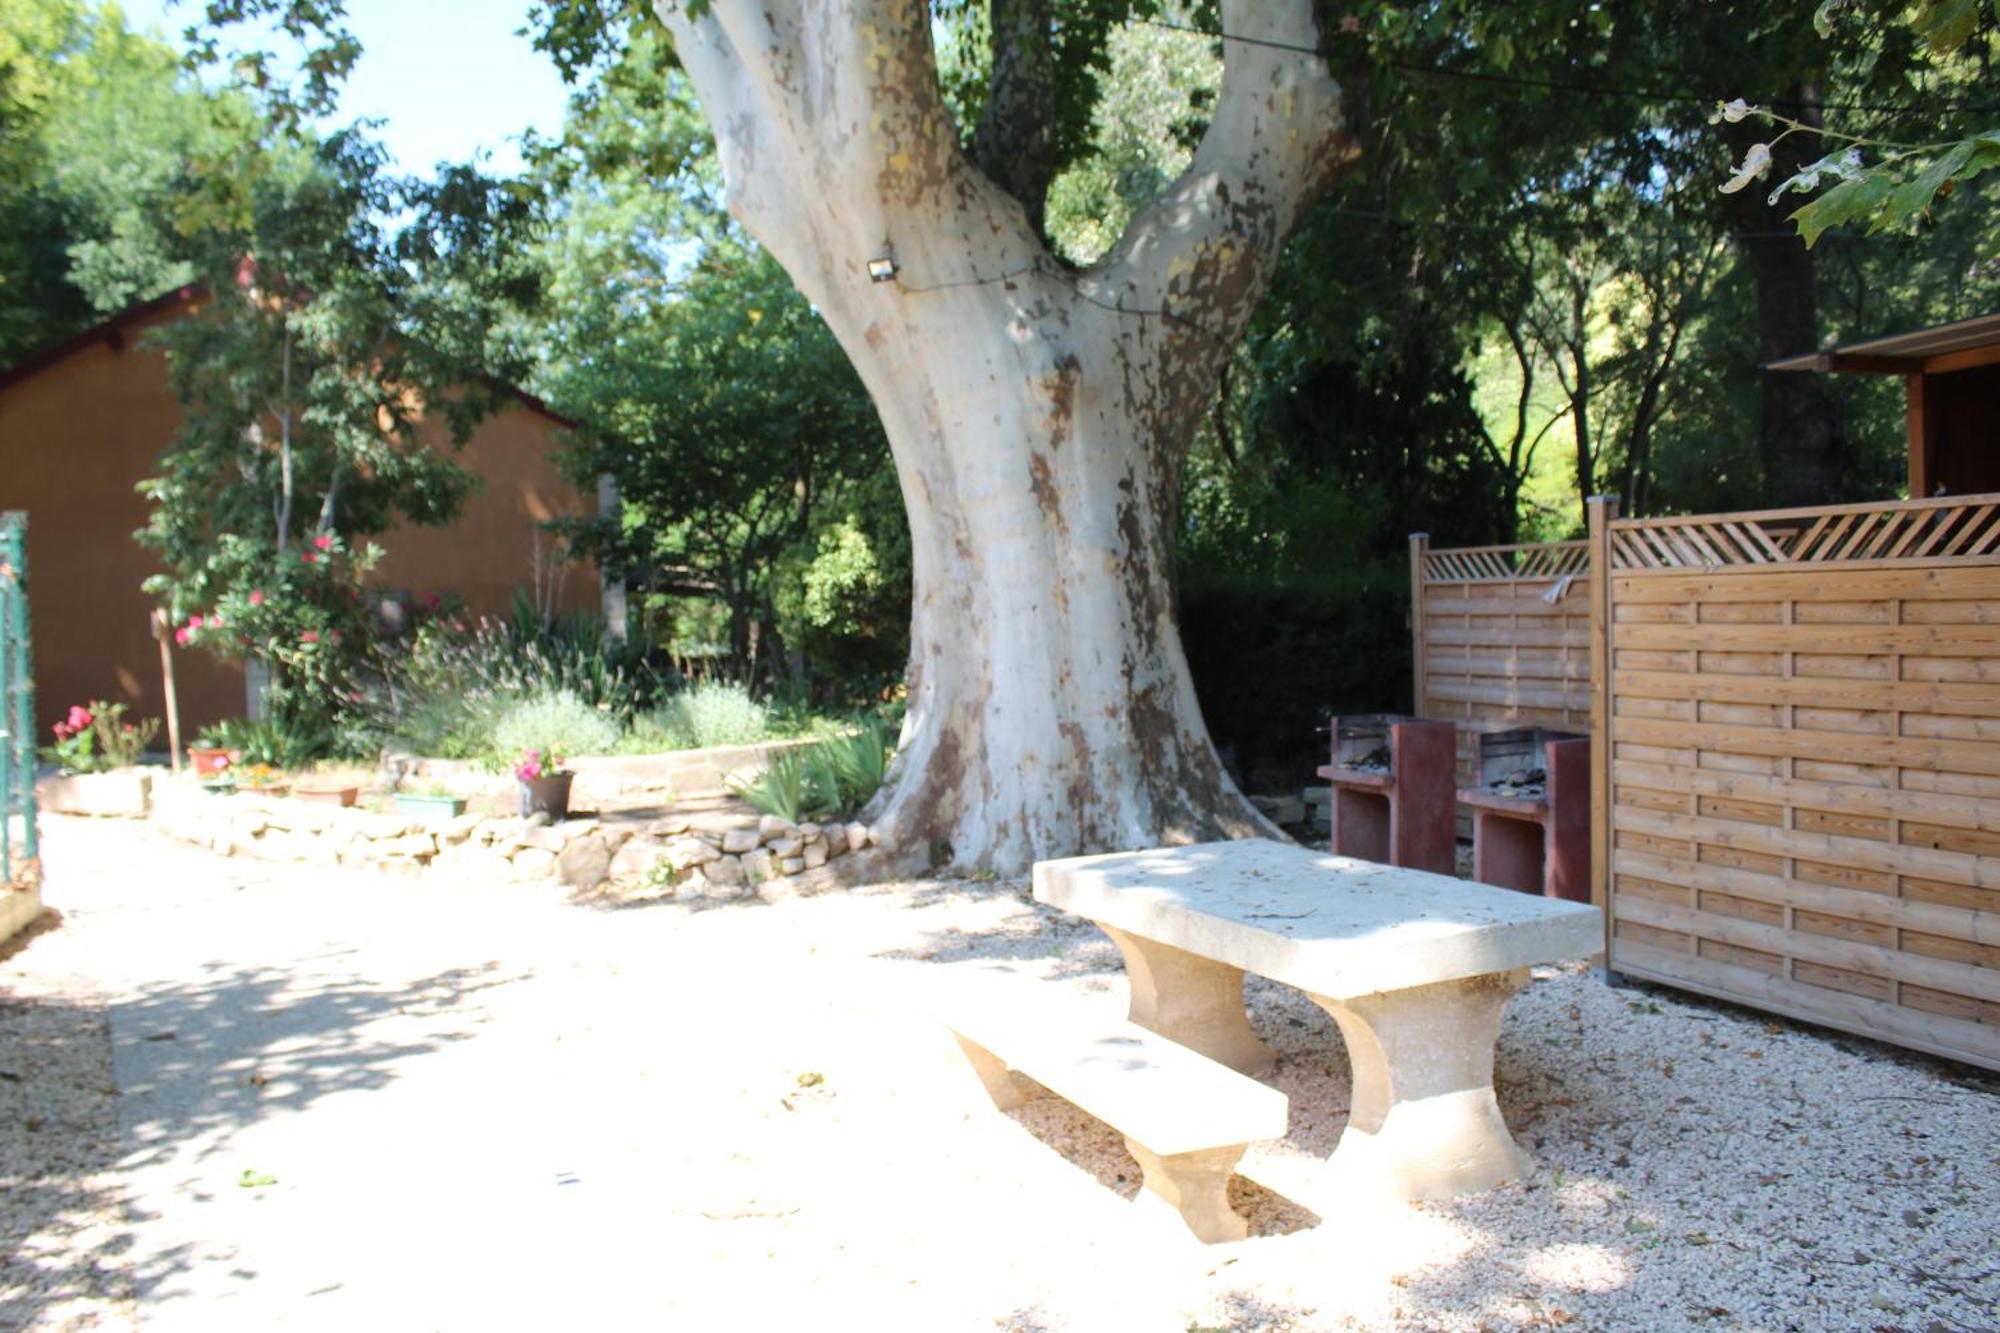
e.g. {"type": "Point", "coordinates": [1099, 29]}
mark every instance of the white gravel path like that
{"type": "Point", "coordinates": [490, 1109]}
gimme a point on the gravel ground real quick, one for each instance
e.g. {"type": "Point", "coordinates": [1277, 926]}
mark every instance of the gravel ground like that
{"type": "Point", "coordinates": [650, 1115]}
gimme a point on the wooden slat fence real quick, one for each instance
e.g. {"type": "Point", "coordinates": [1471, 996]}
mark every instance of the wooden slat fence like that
{"type": "Point", "coordinates": [1797, 786]}
{"type": "Point", "coordinates": [1501, 639]}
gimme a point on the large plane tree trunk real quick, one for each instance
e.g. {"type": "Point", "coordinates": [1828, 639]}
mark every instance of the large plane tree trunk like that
{"type": "Point", "coordinates": [1039, 416]}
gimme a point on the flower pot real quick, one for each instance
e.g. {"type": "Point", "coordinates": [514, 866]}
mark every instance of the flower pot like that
{"type": "Point", "coordinates": [327, 795]}
{"type": "Point", "coordinates": [209, 760]}
{"type": "Point", "coordinates": [435, 808]}
{"type": "Point", "coordinates": [546, 795]}
{"type": "Point", "coordinates": [121, 791]}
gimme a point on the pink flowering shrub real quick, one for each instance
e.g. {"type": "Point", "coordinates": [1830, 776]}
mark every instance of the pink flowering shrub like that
{"type": "Point", "coordinates": [97, 739]}
{"type": "Point", "coordinates": [303, 615]}
{"type": "Point", "coordinates": [535, 764]}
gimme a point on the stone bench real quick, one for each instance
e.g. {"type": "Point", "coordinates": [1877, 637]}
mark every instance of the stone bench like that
{"type": "Point", "coordinates": [1415, 969]}
{"type": "Point", "coordinates": [1185, 1118]}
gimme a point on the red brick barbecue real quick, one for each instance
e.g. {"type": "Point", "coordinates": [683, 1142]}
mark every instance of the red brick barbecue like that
{"type": "Point", "coordinates": [1393, 791]}
{"type": "Point", "coordinates": [1531, 813]}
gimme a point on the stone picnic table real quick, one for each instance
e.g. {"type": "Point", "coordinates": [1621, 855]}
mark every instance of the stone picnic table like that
{"type": "Point", "coordinates": [1414, 967]}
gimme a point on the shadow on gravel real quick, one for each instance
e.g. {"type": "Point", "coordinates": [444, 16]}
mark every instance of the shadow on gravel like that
{"type": "Point", "coordinates": [237, 1043]}
{"type": "Point", "coordinates": [1023, 931]}
{"type": "Point", "coordinates": [58, 1133]}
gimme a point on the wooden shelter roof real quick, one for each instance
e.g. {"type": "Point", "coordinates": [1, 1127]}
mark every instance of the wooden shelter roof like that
{"type": "Point", "coordinates": [1956, 346]}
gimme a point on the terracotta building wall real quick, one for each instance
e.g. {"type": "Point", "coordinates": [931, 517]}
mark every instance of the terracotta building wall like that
{"type": "Point", "coordinates": [80, 429]}
{"type": "Point", "coordinates": [493, 548]}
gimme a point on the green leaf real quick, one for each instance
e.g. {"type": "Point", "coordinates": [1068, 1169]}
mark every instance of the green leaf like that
{"type": "Point", "coordinates": [1946, 24]}
{"type": "Point", "coordinates": [251, 1180]}
{"type": "Point", "coordinates": [1848, 201]}
{"type": "Point", "coordinates": [1914, 196]}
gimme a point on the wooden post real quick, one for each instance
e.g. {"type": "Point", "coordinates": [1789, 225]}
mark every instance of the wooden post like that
{"type": "Point", "coordinates": [1603, 509]}
{"type": "Point", "coordinates": [1420, 545]}
{"type": "Point", "coordinates": [1922, 436]}
{"type": "Point", "coordinates": [172, 696]}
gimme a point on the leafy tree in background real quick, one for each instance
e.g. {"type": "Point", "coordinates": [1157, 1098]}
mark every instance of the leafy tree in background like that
{"type": "Point", "coordinates": [326, 336]}
{"type": "Point", "coordinates": [97, 134]}
{"type": "Point", "coordinates": [745, 450]}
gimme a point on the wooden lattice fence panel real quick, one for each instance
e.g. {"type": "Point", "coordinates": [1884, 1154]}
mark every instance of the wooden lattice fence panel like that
{"type": "Point", "coordinates": [1799, 799]}
{"type": "Point", "coordinates": [1501, 639]}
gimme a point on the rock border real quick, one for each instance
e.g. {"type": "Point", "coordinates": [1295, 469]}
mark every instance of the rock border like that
{"type": "Point", "coordinates": [734, 860]}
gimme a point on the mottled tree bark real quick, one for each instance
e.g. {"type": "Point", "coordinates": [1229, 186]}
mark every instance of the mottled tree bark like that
{"type": "Point", "coordinates": [1039, 416]}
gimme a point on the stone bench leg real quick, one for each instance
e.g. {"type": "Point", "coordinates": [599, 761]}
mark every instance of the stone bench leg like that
{"type": "Point", "coordinates": [1195, 1185]}
{"type": "Point", "coordinates": [992, 1071]}
{"type": "Point", "coordinates": [1424, 1123]}
{"type": "Point", "coordinates": [1195, 1001]}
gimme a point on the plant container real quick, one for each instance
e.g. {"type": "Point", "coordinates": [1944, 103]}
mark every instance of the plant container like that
{"type": "Point", "coordinates": [121, 791]}
{"type": "Point", "coordinates": [209, 760]}
{"type": "Point", "coordinates": [435, 808]}
{"type": "Point", "coordinates": [546, 795]}
{"type": "Point", "coordinates": [328, 795]}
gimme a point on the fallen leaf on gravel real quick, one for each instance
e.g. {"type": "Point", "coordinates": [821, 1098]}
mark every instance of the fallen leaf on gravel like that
{"type": "Point", "coordinates": [811, 1079]}
{"type": "Point", "coordinates": [251, 1180]}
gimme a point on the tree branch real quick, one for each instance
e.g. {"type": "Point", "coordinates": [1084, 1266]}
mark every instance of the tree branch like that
{"type": "Point", "coordinates": [828, 100]}
{"type": "Point", "coordinates": [1015, 144]}
{"type": "Point", "coordinates": [1205, 249]}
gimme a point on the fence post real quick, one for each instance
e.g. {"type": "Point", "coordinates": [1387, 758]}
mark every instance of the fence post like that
{"type": "Point", "coordinates": [1603, 509]}
{"type": "Point", "coordinates": [1420, 545]}
{"type": "Point", "coordinates": [17, 699]}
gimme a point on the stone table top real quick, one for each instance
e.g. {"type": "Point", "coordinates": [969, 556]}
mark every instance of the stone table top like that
{"type": "Point", "coordinates": [1330, 925]}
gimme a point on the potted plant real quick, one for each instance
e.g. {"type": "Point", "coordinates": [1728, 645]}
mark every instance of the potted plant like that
{"type": "Point", "coordinates": [96, 756]}
{"type": "Point", "coordinates": [210, 755]}
{"type": "Point", "coordinates": [544, 784]}
{"type": "Point", "coordinates": [326, 793]}
{"type": "Point", "coordinates": [260, 778]}
{"type": "Point", "coordinates": [434, 802]}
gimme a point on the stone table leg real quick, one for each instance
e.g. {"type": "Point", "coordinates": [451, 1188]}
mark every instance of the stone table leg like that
{"type": "Point", "coordinates": [1424, 1123]}
{"type": "Point", "coordinates": [1196, 1001]}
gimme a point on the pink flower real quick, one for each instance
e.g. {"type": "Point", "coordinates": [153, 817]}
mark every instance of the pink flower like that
{"type": "Point", "coordinates": [257, 597]}
{"type": "Point", "coordinates": [310, 636]}
{"type": "Point", "coordinates": [307, 557]}
{"type": "Point", "coordinates": [323, 542]}
{"type": "Point", "coordinates": [335, 636]}
{"type": "Point", "coordinates": [182, 635]}
{"type": "Point", "coordinates": [215, 621]}
{"type": "Point", "coordinates": [194, 622]}
{"type": "Point", "coordinates": [79, 717]}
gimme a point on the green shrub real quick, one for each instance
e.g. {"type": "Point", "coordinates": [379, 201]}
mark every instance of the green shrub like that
{"type": "Point", "coordinates": [709, 714]}
{"type": "Point", "coordinates": [836, 775]}
{"type": "Point", "coordinates": [656, 731]}
{"type": "Point", "coordinates": [857, 762]}
{"type": "Point", "coordinates": [779, 787]}
{"type": "Point", "coordinates": [271, 742]}
{"type": "Point", "coordinates": [553, 721]}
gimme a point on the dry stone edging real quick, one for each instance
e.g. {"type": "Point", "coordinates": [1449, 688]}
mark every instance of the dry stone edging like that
{"type": "Point", "coordinates": [771, 857]}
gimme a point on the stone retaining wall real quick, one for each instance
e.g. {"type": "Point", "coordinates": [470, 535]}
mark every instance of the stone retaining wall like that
{"type": "Point", "coordinates": [616, 778]}
{"type": "Point", "coordinates": [735, 857]}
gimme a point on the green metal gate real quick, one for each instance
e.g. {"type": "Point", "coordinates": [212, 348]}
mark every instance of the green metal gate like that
{"type": "Point", "coordinates": [19, 852]}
